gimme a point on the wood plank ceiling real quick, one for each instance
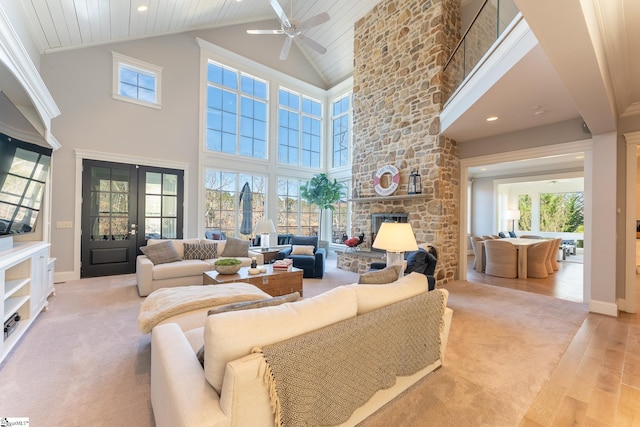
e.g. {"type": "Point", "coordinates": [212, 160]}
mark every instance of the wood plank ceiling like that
{"type": "Point", "coordinates": [68, 24]}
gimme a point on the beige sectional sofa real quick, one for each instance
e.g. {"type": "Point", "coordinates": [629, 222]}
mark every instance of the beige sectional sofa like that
{"type": "Point", "coordinates": [229, 389]}
{"type": "Point", "coordinates": [184, 272]}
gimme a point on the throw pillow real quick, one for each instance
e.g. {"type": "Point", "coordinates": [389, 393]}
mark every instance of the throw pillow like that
{"type": "Point", "coordinates": [302, 249]}
{"type": "Point", "coordinates": [246, 305]}
{"type": "Point", "coordinates": [381, 277]}
{"type": "Point", "coordinates": [161, 253]}
{"type": "Point", "coordinates": [200, 250]}
{"type": "Point", "coordinates": [236, 248]}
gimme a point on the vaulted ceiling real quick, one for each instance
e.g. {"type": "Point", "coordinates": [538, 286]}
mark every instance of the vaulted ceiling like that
{"type": "Point", "coordinates": [64, 24]}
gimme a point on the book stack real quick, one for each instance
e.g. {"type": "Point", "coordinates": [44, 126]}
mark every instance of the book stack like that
{"type": "Point", "coordinates": [283, 265]}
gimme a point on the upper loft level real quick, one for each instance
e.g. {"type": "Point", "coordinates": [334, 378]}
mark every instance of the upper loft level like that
{"type": "Point", "coordinates": [489, 19]}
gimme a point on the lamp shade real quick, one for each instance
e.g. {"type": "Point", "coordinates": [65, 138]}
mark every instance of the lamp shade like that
{"type": "Point", "coordinates": [512, 214]}
{"type": "Point", "coordinates": [395, 237]}
{"type": "Point", "coordinates": [265, 226]}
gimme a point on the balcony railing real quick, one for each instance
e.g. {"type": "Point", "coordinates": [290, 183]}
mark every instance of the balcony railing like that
{"type": "Point", "coordinates": [486, 27]}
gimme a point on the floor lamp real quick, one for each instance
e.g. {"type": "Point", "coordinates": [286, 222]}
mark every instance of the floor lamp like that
{"type": "Point", "coordinates": [396, 238]}
{"type": "Point", "coordinates": [513, 215]}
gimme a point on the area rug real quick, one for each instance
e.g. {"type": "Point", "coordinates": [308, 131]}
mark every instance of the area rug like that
{"type": "Point", "coordinates": [503, 346]}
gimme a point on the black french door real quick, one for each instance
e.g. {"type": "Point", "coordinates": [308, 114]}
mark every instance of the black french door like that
{"type": "Point", "coordinates": [123, 205]}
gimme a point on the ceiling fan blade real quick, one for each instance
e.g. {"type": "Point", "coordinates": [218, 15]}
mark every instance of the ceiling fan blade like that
{"type": "Point", "coordinates": [281, 15]}
{"type": "Point", "coordinates": [315, 20]}
{"type": "Point", "coordinates": [284, 53]}
{"type": "Point", "coordinates": [313, 44]}
{"type": "Point", "coordinates": [265, 32]}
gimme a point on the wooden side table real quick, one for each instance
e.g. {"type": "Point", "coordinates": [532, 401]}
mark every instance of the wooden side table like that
{"type": "Point", "coordinates": [270, 255]}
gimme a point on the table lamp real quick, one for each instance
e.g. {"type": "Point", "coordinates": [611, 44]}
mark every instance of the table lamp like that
{"type": "Point", "coordinates": [396, 238]}
{"type": "Point", "coordinates": [263, 228]}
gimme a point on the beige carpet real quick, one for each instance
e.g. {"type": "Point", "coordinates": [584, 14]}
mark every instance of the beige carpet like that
{"type": "Point", "coordinates": [503, 345]}
{"type": "Point", "coordinates": [84, 362]}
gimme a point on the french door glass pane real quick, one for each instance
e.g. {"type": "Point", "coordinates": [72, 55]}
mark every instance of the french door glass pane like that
{"type": "Point", "coordinates": [153, 183]}
{"type": "Point", "coordinates": [169, 206]}
{"type": "Point", "coordinates": [161, 205]}
{"type": "Point", "coordinates": [152, 228]}
{"type": "Point", "coordinates": [169, 226]}
{"type": "Point", "coordinates": [170, 185]}
{"type": "Point", "coordinates": [153, 205]}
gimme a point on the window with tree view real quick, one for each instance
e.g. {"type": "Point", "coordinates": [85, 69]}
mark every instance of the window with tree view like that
{"type": "Point", "coordinates": [554, 212]}
{"type": "Point", "coordinates": [295, 216]}
{"type": "Point", "coordinates": [228, 208]}
{"type": "Point", "coordinates": [339, 215]}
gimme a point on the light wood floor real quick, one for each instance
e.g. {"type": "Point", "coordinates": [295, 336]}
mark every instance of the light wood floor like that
{"type": "Point", "coordinates": [597, 381]}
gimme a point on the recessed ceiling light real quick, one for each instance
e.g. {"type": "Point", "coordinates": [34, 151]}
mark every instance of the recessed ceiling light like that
{"type": "Point", "coordinates": [143, 8]}
{"type": "Point", "coordinates": [492, 118]}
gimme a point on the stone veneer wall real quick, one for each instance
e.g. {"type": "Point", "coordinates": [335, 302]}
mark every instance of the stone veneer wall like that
{"type": "Point", "coordinates": [400, 50]}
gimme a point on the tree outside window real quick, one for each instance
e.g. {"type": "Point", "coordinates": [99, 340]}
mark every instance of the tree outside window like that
{"type": "Point", "coordinates": [561, 212]}
{"type": "Point", "coordinates": [222, 208]}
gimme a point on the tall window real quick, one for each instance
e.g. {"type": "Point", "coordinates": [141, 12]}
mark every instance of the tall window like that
{"type": "Point", "coordinates": [136, 81]}
{"type": "Point", "coordinates": [525, 205]}
{"type": "Point", "coordinates": [228, 207]}
{"type": "Point", "coordinates": [299, 129]}
{"type": "Point", "coordinates": [236, 112]}
{"type": "Point", "coordinates": [340, 118]}
{"type": "Point", "coordinates": [295, 216]}
{"type": "Point", "coordinates": [562, 212]}
{"type": "Point", "coordinates": [339, 215]}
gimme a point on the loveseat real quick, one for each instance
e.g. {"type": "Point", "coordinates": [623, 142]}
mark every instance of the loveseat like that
{"type": "Point", "coordinates": [231, 387]}
{"type": "Point", "coordinates": [181, 270]}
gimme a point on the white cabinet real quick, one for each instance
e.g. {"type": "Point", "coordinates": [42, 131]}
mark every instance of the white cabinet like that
{"type": "Point", "coordinates": [24, 285]}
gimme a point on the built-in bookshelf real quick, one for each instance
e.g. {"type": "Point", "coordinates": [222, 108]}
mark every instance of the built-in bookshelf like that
{"type": "Point", "coordinates": [26, 281]}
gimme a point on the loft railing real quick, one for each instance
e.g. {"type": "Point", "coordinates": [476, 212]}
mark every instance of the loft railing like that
{"type": "Point", "coordinates": [486, 27]}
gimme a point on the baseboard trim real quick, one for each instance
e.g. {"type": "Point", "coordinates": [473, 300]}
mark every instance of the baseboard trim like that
{"type": "Point", "coordinates": [64, 276]}
{"type": "Point", "coordinates": [601, 307]}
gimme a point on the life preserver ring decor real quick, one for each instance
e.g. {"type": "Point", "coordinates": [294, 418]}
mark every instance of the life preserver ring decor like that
{"type": "Point", "coordinates": [384, 186]}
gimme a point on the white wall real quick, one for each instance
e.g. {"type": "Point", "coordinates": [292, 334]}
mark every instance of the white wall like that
{"type": "Point", "coordinates": [81, 83]}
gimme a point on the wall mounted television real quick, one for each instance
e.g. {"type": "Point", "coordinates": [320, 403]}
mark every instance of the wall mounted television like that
{"type": "Point", "coordinates": [24, 169]}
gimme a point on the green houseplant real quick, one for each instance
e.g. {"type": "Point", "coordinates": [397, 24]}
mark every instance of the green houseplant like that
{"type": "Point", "coordinates": [322, 192]}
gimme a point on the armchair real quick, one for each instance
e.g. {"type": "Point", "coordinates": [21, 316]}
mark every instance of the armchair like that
{"type": "Point", "coordinates": [310, 260]}
{"type": "Point", "coordinates": [421, 261]}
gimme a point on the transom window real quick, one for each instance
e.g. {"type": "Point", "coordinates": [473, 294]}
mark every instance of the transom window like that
{"type": "Point", "coordinates": [341, 135]}
{"type": "Point", "coordinates": [236, 117]}
{"type": "Point", "coordinates": [136, 81]}
{"type": "Point", "coordinates": [299, 129]}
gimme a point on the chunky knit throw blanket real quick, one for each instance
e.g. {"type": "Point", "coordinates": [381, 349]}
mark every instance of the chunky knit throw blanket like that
{"type": "Point", "coordinates": [321, 377]}
{"type": "Point", "coordinates": [164, 303]}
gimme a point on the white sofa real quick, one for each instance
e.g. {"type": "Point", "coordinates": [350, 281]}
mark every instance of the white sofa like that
{"type": "Point", "coordinates": [186, 272]}
{"type": "Point", "coordinates": [230, 390]}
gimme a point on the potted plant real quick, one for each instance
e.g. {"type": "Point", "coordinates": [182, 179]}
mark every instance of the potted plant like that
{"type": "Point", "coordinates": [322, 192]}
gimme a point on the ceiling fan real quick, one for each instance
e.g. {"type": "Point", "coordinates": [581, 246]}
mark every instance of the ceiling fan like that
{"type": "Point", "coordinates": [294, 29]}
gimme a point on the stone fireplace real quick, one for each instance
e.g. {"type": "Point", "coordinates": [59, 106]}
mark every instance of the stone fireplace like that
{"type": "Point", "coordinates": [400, 51]}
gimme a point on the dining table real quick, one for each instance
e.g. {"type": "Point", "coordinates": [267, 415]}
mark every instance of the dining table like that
{"type": "Point", "coordinates": [521, 246]}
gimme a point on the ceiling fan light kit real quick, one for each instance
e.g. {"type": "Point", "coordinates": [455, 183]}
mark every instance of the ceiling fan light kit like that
{"type": "Point", "coordinates": [293, 29]}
